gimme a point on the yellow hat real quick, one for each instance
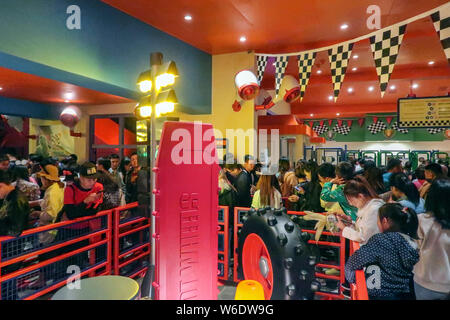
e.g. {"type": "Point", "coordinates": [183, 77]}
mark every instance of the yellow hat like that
{"type": "Point", "coordinates": [50, 172]}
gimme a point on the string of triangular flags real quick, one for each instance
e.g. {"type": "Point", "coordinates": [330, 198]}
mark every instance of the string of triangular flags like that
{"type": "Point", "coordinates": [377, 125]}
{"type": "Point", "coordinates": [384, 43]}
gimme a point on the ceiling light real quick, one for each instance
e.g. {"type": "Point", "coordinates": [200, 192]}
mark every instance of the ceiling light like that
{"type": "Point", "coordinates": [344, 26]}
{"type": "Point", "coordinates": [350, 89]}
{"type": "Point", "coordinates": [371, 88]}
{"type": "Point", "coordinates": [354, 69]}
{"type": "Point", "coordinates": [1, 88]}
{"type": "Point", "coordinates": [66, 101]}
{"type": "Point", "coordinates": [392, 87]}
{"type": "Point", "coordinates": [415, 86]}
{"type": "Point", "coordinates": [69, 95]}
{"type": "Point", "coordinates": [338, 114]}
{"type": "Point", "coordinates": [187, 17]}
{"type": "Point", "coordinates": [430, 63]}
{"type": "Point", "coordinates": [311, 115]}
{"type": "Point", "coordinates": [243, 39]}
{"type": "Point", "coordinates": [330, 97]}
{"type": "Point", "coordinates": [355, 56]}
{"type": "Point", "coordinates": [319, 71]}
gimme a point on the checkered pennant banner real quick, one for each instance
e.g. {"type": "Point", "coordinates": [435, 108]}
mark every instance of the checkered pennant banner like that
{"type": "Point", "coordinates": [339, 57]}
{"type": "Point", "coordinates": [385, 46]}
{"type": "Point", "coordinates": [396, 128]}
{"type": "Point", "coordinates": [441, 21]}
{"type": "Point", "coordinates": [376, 127]}
{"type": "Point", "coordinates": [305, 64]}
{"type": "Point", "coordinates": [280, 68]}
{"type": "Point", "coordinates": [344, 129]}
{"type": "Point", "coordinates": [320, 129]}
{"type": "Point", "coordinates": [261, 63]}
{"type": "Point", "coordinates": [435, 130]}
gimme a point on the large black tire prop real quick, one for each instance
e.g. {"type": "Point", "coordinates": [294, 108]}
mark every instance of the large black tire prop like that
{"type": "Point", "coordinates": [273, 251]}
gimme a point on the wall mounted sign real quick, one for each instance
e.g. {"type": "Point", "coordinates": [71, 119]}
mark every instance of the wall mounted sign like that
{"type": "Point", "coordinates": [430, 112]}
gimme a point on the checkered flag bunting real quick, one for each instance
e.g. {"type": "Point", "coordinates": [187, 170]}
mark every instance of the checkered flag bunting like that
{"type": "Point", "coordinates": [339, 57]}
{"type": "Point", "coordinates": [280, 67]}
{"type": "Point", "coordinates": [344, 129]}
{"type": "Point", "coordinates": [320, 129]}
{"type": "Point", "coordinates": [376, 127]}
{"type": "Point", "coordinates": [385, 46]}
{"type": "Point", "coordinates": [441, 21]}
{"type": "Point", "coordinates": [396, 128]}
{"type": "Point", "coordinates": [261, 63]}
{"type": "Point", "coordinates": [305, 64]}
{"type": "Point", "coordinates": [435, 130]}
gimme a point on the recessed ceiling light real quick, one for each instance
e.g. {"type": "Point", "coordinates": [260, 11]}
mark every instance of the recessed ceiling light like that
{"type": "Point", "coordinates": [319, 71]}
{"type": "Point", "coordinates": [415, 86]}
{"type": "Point", "coordinates": [188, 17]}
{"type": "Point", "coordinates": [69, 95]}
{"type": "Point", "coordinates": [354, 69]}
{"type": "Point", "coordinates": [344, 26]}
{"type": "Point", "coordinates": [338, 114]}
{"type": "Point", "coordinates": [392, 87]}
{"type": "Point", "coordinates": [355, 56]}
{"type": "Point", "coordinates": [66, 101]}
{"type": "Point", "coordinates": [330, 97]}
{"type": "Point", "coordinates": [371, 88]}
{"type": "Point", "coordinates": [242, 39]}
{"type": "Point", "coordinates": [1, 88]}
{"type": "Point", "coordinates": [350, 89]}
{"type": "Point", "coordinates": [311, 115]}
{"type": "Point", "coordinates": [430, 63]}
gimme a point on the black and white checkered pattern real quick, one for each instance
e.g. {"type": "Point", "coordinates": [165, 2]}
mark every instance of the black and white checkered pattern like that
{"type": "Point", "coordinates": [396, 128]}
{"type": "Point", "coordinates": [261, 63]}
{"type": "Point", "coordinates": [376, 127]}
{"type": "Point", "coordinates": [339, 57]}
{"type": "Point", "coordinates": [441, 21]}
{"type": "Point", "coordinates": [344, 129]}
{"type": "Point", "coordinates": [385, 46]}
{"type": "Point", "coordinates": [435, 130]}
{"type": "Point", "coordinates": [305, 64]}
{"type": "Point", "coordinates": [281, 63]}
{"type": "Point", "coordinates": [320, 129]}
{"type": "Point", "coordinates": [425, 123]}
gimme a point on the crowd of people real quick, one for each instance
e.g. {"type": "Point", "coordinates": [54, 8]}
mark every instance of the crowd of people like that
{"type": "Point", "coordinates": [37, 192]}
{"type": "Point", "coordinates": [400, 217]}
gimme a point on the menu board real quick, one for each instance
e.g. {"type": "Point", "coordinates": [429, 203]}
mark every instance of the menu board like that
{"type": "Point", "coordinates": [431, 112]}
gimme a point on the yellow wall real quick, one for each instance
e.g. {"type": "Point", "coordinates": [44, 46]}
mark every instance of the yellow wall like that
{"type": "Point", "coordinates": [225, 67]}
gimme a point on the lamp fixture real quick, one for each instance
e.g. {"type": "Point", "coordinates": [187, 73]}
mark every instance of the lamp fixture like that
{"type": "Point", "coordinates": [144, 81]}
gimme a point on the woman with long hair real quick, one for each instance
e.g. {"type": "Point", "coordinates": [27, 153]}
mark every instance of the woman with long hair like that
{"type": "Point", "coordinates": [406, 193]}
{"type": "Point", "coordinates": [361, 195]}
{"type": "Point", "coordinates": [432, 272]}
{"type": "Point", "coordinates": [266, 194]}
{"type": "Point", "coordinates": [374, 176]}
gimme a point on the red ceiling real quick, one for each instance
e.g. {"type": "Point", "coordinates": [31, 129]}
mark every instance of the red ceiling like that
{"type": "Point", "coordinates": [269, 25]}
{"type": "Point", "coordinates": [19, 85]}
{"type": "Point", "coordinates": [285, 26]}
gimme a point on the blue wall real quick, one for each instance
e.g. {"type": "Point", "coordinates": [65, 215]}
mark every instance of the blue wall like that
{"type": "Point", "coordinates": [107, 54]}
{"type": "Point", "coordinates": [15, 107]}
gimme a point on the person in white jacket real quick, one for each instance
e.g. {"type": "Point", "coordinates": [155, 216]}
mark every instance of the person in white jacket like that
{"type": "Point", "coordinates": [432, 272]}
{"type": "Point", "coordinates": [362, 196]}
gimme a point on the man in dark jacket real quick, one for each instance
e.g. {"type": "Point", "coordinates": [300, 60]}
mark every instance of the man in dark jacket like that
{"type": "Point", "coordinates": [242, 183]}
{"type": "Point", "coordinates": [14, 208]}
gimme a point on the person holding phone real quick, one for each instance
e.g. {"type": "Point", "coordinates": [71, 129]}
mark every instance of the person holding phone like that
{"type": "Point", "coordinates": [84, 196]}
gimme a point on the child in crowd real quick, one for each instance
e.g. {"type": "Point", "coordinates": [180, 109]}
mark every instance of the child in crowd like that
{"type": "Point", "coordinates": [432, 272]}
{"type": "Point", "coordinates": [406, 193]}
{"type": "Point", "coordinates": [362, 196]}
{"type": "Point", "coordinates": [389, 256]}
{"type": "Point", "coordinates": [344, 172]}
